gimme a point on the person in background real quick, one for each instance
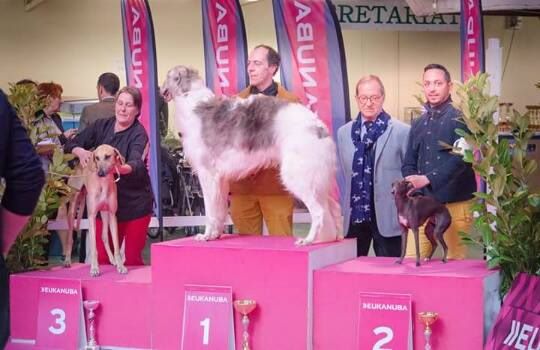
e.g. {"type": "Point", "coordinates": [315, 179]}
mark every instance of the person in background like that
{"type": "Point", "coordinates": [135, 201]}
{"type": "Point", "coordinates": [49, 117]}
{"type": "Point", "coordinates": [107, 87]}
{"type": "Point", "coordinates": [20, 167]}
{"type": "Point", "coordinates": [430, 166]}
{"type": "Point", "coordinates": [52, 133]}
{"type": "Point", "coordinates": [261, 195]}
{"type": "Point", "coordinates": [371, 149]}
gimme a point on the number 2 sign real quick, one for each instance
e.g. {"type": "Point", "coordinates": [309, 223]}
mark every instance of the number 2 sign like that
{"type": "Point", "coordinates": [384, 322]}
{"type": "Point", "coordinates": [59, 314]}
{"type": "Point", "coordinates": [208, 318]}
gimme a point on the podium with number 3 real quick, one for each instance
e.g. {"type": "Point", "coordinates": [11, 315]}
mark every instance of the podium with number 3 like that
{"type": "Point", "coordinates": [60, 322]}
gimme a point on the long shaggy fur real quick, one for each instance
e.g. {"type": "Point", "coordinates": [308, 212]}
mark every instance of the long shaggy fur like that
{"type": "Point", "coordinates": [229, 138]}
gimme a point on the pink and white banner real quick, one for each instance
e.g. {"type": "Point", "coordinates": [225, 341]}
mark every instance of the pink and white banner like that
{"type": "Point", "coordinates": [472, 38]}
{"type": "Point", "coordinates": [384, 322]}
{"type": "Point", "coordinates": [141, 71]}
{"type": "Point", "coordinates": [313, 60]}
{"type": "Point", "coordinates": [224, 46]}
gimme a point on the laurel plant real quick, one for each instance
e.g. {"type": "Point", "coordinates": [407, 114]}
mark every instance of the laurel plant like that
{"type": "Point", "coordinates": [27, 253]}
{"type": "Point", "coordinates": [507, 215]}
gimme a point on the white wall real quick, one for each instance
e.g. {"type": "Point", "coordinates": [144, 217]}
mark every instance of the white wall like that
{"type": "Point", "coordinates": [72, 41]}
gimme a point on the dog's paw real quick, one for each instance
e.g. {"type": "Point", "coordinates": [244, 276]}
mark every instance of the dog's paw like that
{"type": "Point", "coordinates": [399, 261]}
{"type": "Point", "coordinates": [202, 237]}
{"type": "Point", "coordinates": [67, 262]}
{"type": "Point", "coordinates": [417, 263]}
{"type": "Point", "coordinates": [121, 269]}
{"type": "Point", "coordinates": [94, 271]}
{"type": "Point", "coordinates": [207, 236]}
{"type": "Point", "coordinates": [303, 241]}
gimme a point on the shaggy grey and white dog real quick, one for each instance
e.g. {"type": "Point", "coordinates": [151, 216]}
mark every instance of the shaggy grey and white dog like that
{"type": "Point", "coordinates": [229, 138]}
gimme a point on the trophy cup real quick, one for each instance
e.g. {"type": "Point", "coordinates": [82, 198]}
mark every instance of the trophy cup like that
{"type": "Point", "coordinates": [91, 306]}
{"type": "Point", "coordinates": [244, 307]}
{"type": "Point", "coordinates": [427, 318]}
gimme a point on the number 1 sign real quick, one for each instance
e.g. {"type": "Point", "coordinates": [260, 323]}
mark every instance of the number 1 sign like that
{"type": "Point", "coordinates": [384, 322]}
{"type": "Point", "coordinates": [60, 322]}
{"type": "Point", "coordinates": [208, 318]}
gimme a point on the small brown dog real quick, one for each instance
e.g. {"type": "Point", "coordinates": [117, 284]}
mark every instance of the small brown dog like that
{"type": "Point", "coordinates": [413, 212]}
{"type": "Point", "coordinates": [100, 192]}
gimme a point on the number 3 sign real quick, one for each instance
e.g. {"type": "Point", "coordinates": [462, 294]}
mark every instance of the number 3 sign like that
{"type": "Point", "coordinates": [59, 314]}
{"type": "Point", "coordinates": [384, 322]}
{"type": "Point", "coordinates": [208, 318]}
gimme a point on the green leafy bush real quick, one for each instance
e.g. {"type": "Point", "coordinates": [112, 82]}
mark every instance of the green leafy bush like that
{"type": "Point", "coordinates": [507, 217]}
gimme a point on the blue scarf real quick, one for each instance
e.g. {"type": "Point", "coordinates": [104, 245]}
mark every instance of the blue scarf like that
{"type": "Point", "coordinates": [363, 164]}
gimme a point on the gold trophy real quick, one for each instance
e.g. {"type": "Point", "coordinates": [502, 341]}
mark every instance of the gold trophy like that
{"type": "Point", "coordinates": [91, 306]}
{"type": "Point", "coordinates": [244, 307]}
{"type": "Point", "coordinates": [428, 318]}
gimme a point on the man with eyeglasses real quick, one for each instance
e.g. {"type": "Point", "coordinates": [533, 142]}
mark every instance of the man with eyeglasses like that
{"type": "Point", "coordinates": [371, 150]}
{"type": "Point", "coordinates": [430, 166]}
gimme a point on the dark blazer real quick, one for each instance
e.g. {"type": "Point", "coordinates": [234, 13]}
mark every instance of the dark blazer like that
{"type": "Point", "coordinates": [101, 110]}
{"type": "Point", "coordinates": [451, 179]}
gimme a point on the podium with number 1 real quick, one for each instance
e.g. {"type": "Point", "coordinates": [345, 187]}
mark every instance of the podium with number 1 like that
{"type": "Point", "coordinates": [208, 318]}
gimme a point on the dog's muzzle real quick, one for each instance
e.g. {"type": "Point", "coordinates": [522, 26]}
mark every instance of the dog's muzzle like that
{"type": "Point", "coordinates": [101, 173]}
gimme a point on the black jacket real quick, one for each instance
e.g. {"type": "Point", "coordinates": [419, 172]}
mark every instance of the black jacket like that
{"type": "Point", "coordinates": [451, 179]}
{"type": "Point", "coordinates": [135, 198]}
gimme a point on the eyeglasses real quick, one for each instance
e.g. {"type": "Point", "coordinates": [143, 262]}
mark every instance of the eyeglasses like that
{"type": "Point", "coordinates": [373, 99]}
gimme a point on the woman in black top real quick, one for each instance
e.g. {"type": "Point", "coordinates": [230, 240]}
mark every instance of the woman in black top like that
{"type": "Point", "coordinates": [125, 133]}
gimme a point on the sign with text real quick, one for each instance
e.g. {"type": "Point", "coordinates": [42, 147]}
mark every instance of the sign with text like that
{"type": "Point", "coordinates": [225, 52]}
{"type": "Point", "coordinates": [518, 322]}
{"type": "Point", "coordinates": [384, 322]}
{"type": "Point", "coordinates": [390, 15]}
{"type": "Point", "coordinates": [208, 318]}
{"type": "Point", "coordinates": [60, 317]}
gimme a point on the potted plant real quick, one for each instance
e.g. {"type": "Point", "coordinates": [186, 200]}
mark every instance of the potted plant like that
{"type": "Point", "coordinates": [507, 215]}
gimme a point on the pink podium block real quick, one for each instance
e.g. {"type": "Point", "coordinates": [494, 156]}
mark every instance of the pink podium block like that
{"type": "Point", "coordinates": [122, 319]}
{"type": "Point", "coordinates": [271, 270]}
{"type": "Point", "coordinates": [464, 293]}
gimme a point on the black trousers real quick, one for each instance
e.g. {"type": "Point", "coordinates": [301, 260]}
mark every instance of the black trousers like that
{"type": "Point", "coordinates": [366, 232]}
{"type": "Point", "coordinates": [4, 303]}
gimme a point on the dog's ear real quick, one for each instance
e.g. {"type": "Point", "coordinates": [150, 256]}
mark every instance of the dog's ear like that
{"type": "Point", "coordinates": [119, 158]}
{"type": "Point", "coordinates": [92, 163]}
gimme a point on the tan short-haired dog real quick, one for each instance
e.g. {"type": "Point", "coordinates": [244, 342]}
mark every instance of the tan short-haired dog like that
{"type": "Point", "coordinates": [100, 191]}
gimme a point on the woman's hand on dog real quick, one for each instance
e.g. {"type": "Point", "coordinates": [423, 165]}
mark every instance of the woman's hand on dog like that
{"type": "Point", "coordinates": [83, 155]}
